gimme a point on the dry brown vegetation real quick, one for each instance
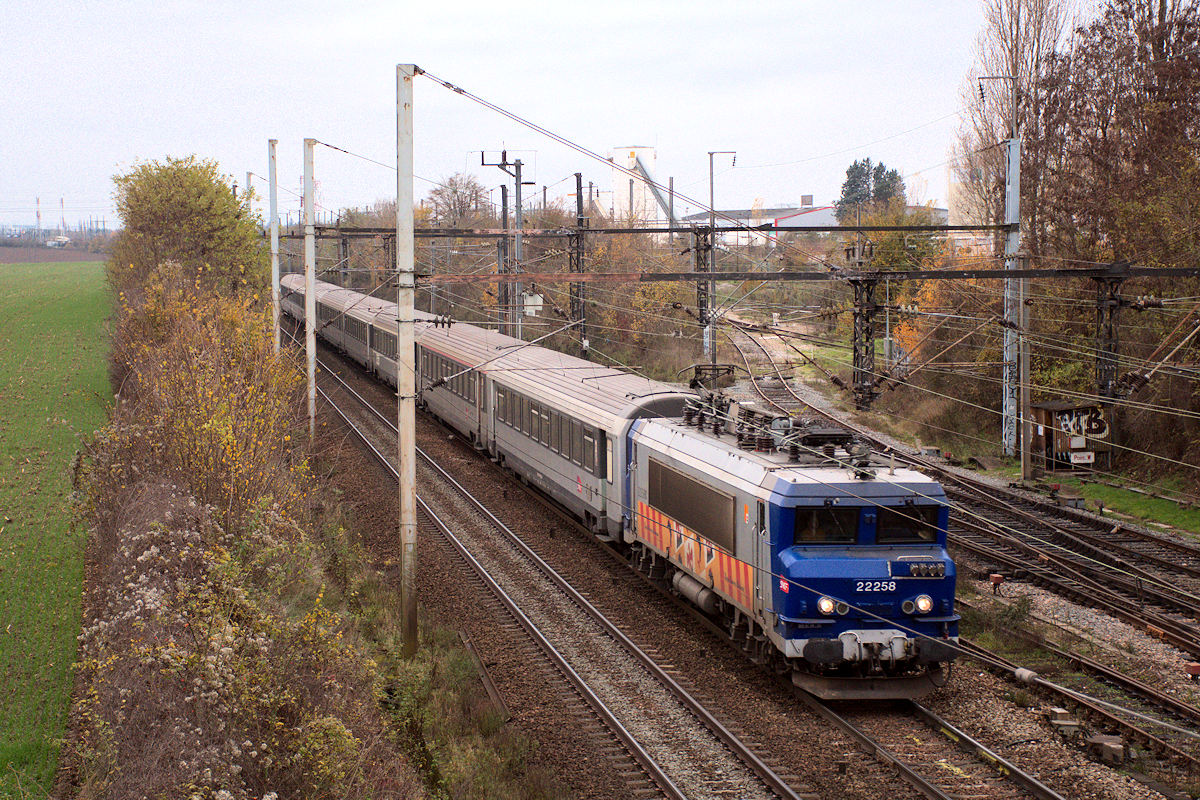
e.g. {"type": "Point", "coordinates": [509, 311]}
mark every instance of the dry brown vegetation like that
{"type": "Point", "coordinates": [236, 641]}
{"type": "Point", "coordinates": [212, 662]}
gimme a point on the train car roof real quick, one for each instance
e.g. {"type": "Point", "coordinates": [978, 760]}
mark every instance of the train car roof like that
{"type": "Point", "coordinates": [594, 393]}
{"type": "Point", "coordinates": [351, 302]}
{"type": "Point", "coordinates": [774, 473]}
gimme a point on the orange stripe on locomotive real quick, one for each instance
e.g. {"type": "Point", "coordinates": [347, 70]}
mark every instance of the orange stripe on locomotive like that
{"type": "Point", "coordinates": [727, 575]}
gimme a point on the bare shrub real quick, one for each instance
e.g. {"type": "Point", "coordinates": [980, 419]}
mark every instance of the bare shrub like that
{"type": "Point", "coordinates": [198, 371]}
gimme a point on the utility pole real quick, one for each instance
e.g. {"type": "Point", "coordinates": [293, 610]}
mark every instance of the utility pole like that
{"type": "Point", "coordinates": [1026, 415]}
{"type": "Point", "coordinates": [344, 260]}
{"type": "Point", "coordinates": [517, 306]}
{"type": "Point", "coordinates": [887, 322]}
{"type": "Point", "coordinates": [519, 221]}
{"type": "Point", "coordinates": [504, 288]}
{"type": "Point", "coordinates": [1013, 289]}
{"type": "Point", "coordinates": [671, 212]}
{"type": "Point", "coordinates": [406, 383]}
{"type": "Point", "coordinates": [710, 342]}
{"type": "Point", "coordinates": [578, 309]}
{"type": "Point", "coordinates": [700, 263]}
{"type": "Point", "coordinates": [310, 287]}
{"type": "Point", "coordinates": [1010, 399]}
{"type": "Point", "coordinates": [274, 222]}
{"type": "Point", "coordinates": [864, 342]}
{"type": "Point", "coordinates": [39, 220]}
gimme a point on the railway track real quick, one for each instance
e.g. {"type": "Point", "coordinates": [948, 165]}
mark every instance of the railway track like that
{"type": "Point", "coordinates": [671, 744]}
{"type": "Point", "coordinates": [1175, 749]}
{"type": "Point", "coordinates": [918, 735]}
{"type": "Point", "coordinates": [944, 782]}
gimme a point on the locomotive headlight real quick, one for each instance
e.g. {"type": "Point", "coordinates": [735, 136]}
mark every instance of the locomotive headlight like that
{"type": "Point", "coordinates": [924, 604]}
{"type": "Point", "coordinates": [826, 605]}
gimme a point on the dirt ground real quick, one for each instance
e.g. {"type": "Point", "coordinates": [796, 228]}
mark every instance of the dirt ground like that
{"type": "Point", "coordinates": [38, 255]}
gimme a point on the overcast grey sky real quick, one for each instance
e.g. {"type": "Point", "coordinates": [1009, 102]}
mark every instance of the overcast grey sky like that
{"type": "Point", "coordinates": [91, 88]}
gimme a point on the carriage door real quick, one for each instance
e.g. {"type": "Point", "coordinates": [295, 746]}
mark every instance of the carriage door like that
{"type": "Point", "coordinates": [763, 583]}
{"type": "Point", "coordinates": [604, 471]}
{"type": "Point", "coordinates": [481, 405]}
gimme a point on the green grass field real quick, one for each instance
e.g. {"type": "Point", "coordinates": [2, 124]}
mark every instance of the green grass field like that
{"type": "Point", "coordinates": [53, 392]}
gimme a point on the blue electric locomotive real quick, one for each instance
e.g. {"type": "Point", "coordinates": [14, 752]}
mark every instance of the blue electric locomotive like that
{"type": "Point", "coordinates": [820, 560]}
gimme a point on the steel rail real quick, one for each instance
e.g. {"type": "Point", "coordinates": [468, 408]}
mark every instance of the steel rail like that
{"type": "Point", "coordinates": [1073, 514]}
{"type": "Point", "coordinates": [639, 753]}
{"type": "Point", "coordinates": [1005, 768]}
{"type": "Point", "coordinates": [1086, 589]}
{"type": "Point", "coordinates": [1010, 771]}
{"type": "Point", "coordinates": [1098, 545]}
{"type": "Point", "coordinates": [1121, 578]}
{"type": "Point", "coordinates": [1167, 703]}
{"type": "Point", "coordinates": [906, 772]}
{"type": "Point", "coordinates": [1109, 717]}
{"type": "Point", "coordinates": [755, 764]}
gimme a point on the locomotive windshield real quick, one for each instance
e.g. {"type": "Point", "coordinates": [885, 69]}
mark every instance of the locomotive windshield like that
{"type": "Point", "coordinates": [826, 526]}
{"type": "Point", "coordinates": [907, 524]}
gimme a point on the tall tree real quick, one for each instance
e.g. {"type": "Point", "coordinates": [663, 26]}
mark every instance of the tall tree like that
{"type": "Point", "coordinates": [868, 187]}
{"type": "Point", "coordinates": [1018, 42]}
{"type": "Point", "coordinates": [458, 198]}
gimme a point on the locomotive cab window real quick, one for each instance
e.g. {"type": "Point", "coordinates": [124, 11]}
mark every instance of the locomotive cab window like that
{"type": "Point", "coordinates": [826, 526]}
{"type": "Point", "coordinates": [907, 524]}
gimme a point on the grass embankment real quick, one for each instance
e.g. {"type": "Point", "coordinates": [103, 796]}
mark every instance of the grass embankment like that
{"type": "Point", "coordinates": [53, 390]}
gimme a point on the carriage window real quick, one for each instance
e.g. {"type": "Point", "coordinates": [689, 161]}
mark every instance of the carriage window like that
{"type": "Point", "coordinates": [576, 441]}
{"type": "Point", "coordinates": [589, 450]}
{"type": "Point", "coordinates": [500, 410]}
{"type": "Point", "coordinates": [545, 435]}
{"type": "Point", "coordinates": [555, 431]}
{"type": "Point", "coordinates": [826, 526]}
{"type": "Point", "coordinates": [535, 420]}
{"type": "Point", "coordinates": [913, 524]}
